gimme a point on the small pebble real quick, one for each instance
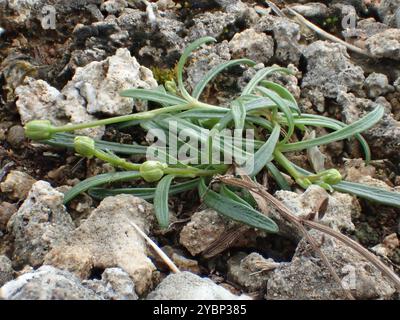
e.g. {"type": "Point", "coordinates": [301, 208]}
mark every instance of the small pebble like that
{"type": "Point", "coordinates": [16, 136]}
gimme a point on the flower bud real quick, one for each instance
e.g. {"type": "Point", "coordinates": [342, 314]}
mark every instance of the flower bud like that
{"type": "Point", "coordinates": [171, 87]}
{"type": "Point", "coordinates": [152, 171]}
{"type": "Point", "coordinates": [84, 146]}
{"type": "Point", "coordinates": [331, 176]}
{"type": "Point", "coordinates": [39, 130]}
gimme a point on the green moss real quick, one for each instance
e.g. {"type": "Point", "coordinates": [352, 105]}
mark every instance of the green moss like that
{"type": "Point", "coordinates": [162, 75]}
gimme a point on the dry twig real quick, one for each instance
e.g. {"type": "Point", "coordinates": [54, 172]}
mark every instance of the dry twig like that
{"type": "Point", "coordinates": [157, 249]}
{"type": "Point", "coordinates": [300, 223]}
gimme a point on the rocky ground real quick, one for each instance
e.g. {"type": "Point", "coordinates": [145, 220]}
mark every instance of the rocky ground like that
{"type": "Point", "coordinates": [73, 73]}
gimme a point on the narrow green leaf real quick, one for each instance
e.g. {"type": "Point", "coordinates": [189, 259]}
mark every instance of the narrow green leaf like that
{"type": "Point", "coordinates": [161, 201]}
{"type": "Point", "coordinates": [278, 177]}
{"type": "Point", "coordinates": [357, 127]}
{"type": "Point", "coordinates": [259, 76]}
{"type": "Point", "coordinates": [263, 155]}
{"type": "Point", "coordinates": [225, 191]}
{"type": "Point", "coordinates": [182, 61]}
{"type": "Point", "coordinates": [238, 111]}
{"type": "Point", "coordinates": [374, 194]}
{"type": "Point", "coordinates": [319, 121]}
{"type": "Point", "coordinates": [370, 193]}
{"type": "Point", "coordinates": [66, 140]}
{"type": "Point", "coordinates": [261, 122]}
{"type": "Point", "coordinates": [282, 91]}
{"type": "Point", "coordinates": [144, 193]}
{"type": "Point", "coordinates": [210, 75]}
{"type": "Point", "coordinates": [99, 180]}
{"type": "Point", "coordinates": [153, 95]}
{"type": "Point", "coordinates": [235, 210]}
{"type": "Point", "coordinates": [283, 107]}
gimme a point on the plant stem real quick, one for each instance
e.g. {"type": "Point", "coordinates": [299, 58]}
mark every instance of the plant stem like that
{"type": "Point", "coordinates": [288, 166]}
{"type": "Point", "coordinates": [116, 161]}
{"type": "Point", "coordinates": [185, 172]}
{"type": "Point", "coordinates": [136, 116]}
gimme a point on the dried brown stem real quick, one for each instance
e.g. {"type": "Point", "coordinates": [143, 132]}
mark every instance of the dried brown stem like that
{"type": "Point", "coordinates": [300, 223]}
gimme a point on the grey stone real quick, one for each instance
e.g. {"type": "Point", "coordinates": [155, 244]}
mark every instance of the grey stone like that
{"type": "Point", "coordinates": [254, 45]}
{"type": "Point", "coordinates": [384, 137]}
{"type": "Point", "coordinates": [207, 226]}
{"type": "Point", "coordinates": [6, 211]}
{"type": "Point", "coordinates": [46, 283]}
{"type": "Point", "coordinates": [6, 270]}
{"type": "Point", "coordinates": [385, 44]}
{"type": "Point", "coordinates": [115, 284]}
{"type": "Point", "coordinates": [188, 286]}
{"type": "Point", "coordinates": [17, 185]}
{"type": "Point", "coordinates": [368, 27]}
{"type": "Point", "coordinates": [205, 59]}
{"type": "Point", "coordinates": [312, 10]}
{"type": "Point", "coordinates": [377, 84]}
{"type": "Point", "coordinates": [211, 24]}
{"type": "Point", "coordinates": [306, 277]}
{"type": "Point", "coordinates": [396, 84]}
{"type": "Point", "coordinates": [286, 35]}
{"type": "Point", "coordinates": [204, 228]}
{"type": "Point", "coordinates": [37, 100]}
{"type": "Point", "coordinates": [338, 215]}
{"type": "Point", "coordinates": [330, 70]}
{"type": "Point", "coordinates": [388, 11]}
{"type": "Point", "coordinates": [251, 271]}
{"type": "Point", "coordinates": [16, 136]}
{"type": "Point", "coordinates": [106, 239]}
{"type": "Point", "coordinates": [40, 223]}
{"type": "Point", "coordinates": [98, 84]}
{"type": "Point", "coordinates": [114, 6]}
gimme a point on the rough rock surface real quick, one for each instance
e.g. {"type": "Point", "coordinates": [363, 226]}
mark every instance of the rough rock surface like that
{"type": "Point", "coordinates": [286, 36]}
{"type": "Point", "coordinates": [207, 226]}
{"type": "Point", "coordinates": [385, 44]}
{"type": "Point", "coordinates": [312, 10]}
{"type": "Point", "coordinates": [107, 239]}
{"type": "Point", "coordinates": [16, 136]}
{"type": "Point", "coordinates": [94, 89]}
{"type": "Point", "coordinates": [6, 270]}
{"type": "Point", "coordinates": [114, 6]}
{"type": "Point", "coordinates": [211, 24]}
{"type": "Point", "coordinates": [37, 100]}
{"type": "Point", "coordinates": [330, 70]}
{"type": "Point", "coordinates": [388, 246]}
{"type": "Point", "coordinates": [17, 185]}
{"type": "Point", "coordinates": [40, 223]}
{"type": "Point", "coordinates": [338, 214]}
{"type": "Point", "coordinates": [377, 84]}
{"type": "Point", "coordinates": [364, 29]}
{"type": "Point", "coordinates": [250, 271]}
{"type": "Point", "coordinates": [115, 284]}
{"type": "Point", "coordinates": [98, 84]}
{"type": "Point", "coordinates": [188, 286]}
{"type": "Point", "coordinates": [46, 283]}
{"type": "Point", "coordinates": [306, 277]}
{"type": "Point", "coordinates": [6, 211]}
{"type": "Point", "coordinates": [384, 137]}
{"type": "Point", "coordinates": [388, 11]}
{"type": "Point", "coordinates": [254, 45]}
{"type": "Point", "coordinates": [204, 60]}
{"type": "Point", "coordinates": [204, 228]}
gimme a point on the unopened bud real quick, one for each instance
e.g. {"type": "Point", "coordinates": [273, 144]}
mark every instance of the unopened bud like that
{"type": "Point", "coordinates": [84, 146]}
{"type": "Point", "coordinates": [39, 130]}
{"type": "Point", "coordinates": [152, 171]}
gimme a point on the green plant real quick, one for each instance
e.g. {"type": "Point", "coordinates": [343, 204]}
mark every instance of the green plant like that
{"type": "Point", "coordinates": [263, 106]}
